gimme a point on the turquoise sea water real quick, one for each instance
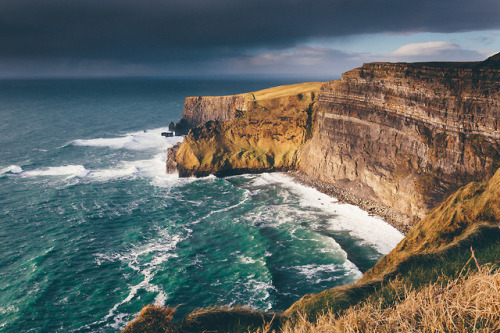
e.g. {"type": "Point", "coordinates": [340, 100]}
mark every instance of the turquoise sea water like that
{"type": "Point", "coordinates": [92, 229]}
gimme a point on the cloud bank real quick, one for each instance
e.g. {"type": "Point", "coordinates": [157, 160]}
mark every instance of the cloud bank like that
{"type": "Point", "coordinates": [145, 34]}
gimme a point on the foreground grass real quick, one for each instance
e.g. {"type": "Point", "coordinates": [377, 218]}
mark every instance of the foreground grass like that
{"type": "Point", "coordinates": [156, 319]}
{"type": "Point", "coordinates": [436, 248]}
{"type": "Point", "coordinates": [470, 303]}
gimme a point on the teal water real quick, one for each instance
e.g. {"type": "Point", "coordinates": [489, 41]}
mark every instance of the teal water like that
{"type": "Point", "coordinates": [92, 229]}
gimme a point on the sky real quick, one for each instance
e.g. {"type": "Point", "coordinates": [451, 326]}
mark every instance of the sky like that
{"type": "Point", "coordinates": [298, 38]}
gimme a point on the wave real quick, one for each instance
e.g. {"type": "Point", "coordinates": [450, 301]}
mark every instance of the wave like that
{"type": "Point", "coordinates": [317, 273]}
{"type": "Point", "coordinates": [370, 229]}
{"type": "Point", "coordinates": [160, 249]}
{"type": "Point", "coordinates": [11, 169]}
{"type": "Point", "coordinates": [65, 170]}
{"type": "Point", "coordinates": [246, 197]}
{"type": "Point", "coordinates": [153, 169]}
{"type": "Point", "coordinates": [140, 140]}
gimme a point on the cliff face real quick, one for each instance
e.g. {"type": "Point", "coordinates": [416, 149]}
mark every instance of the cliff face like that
{"type": "Point", "coordinates": [407, 135]}
{"type": "Point", "coordinates": [200, 109]}
{"type": "Point", "coordinates": [403, 135]}
{"type": "Point", "coordinates": [263, 131]}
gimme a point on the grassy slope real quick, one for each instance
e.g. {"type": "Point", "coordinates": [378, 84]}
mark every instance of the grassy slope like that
{"type": "Point", "coordinates": [470, 303]}
{"type": "Point", "coordinates": [438, 247]}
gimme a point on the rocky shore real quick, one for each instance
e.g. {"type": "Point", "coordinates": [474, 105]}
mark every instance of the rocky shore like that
{"type": "Point", "coordinates": [399, 221]}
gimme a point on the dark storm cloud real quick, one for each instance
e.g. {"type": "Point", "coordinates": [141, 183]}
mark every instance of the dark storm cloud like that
{"type": "Point", "coordinates": [186, 30]}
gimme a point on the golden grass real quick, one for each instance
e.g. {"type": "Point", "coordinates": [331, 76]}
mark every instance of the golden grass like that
{"type": "Point", "coordinates": [467, 304]}
{"type": "Point", "coordinates": [460, 219]}
{"type": "Point", "coordinates": [153, 319]}
{"type": "Point", "coordinates": [288, 90]}
{"type": "Point", "coordinates": [446, 224]}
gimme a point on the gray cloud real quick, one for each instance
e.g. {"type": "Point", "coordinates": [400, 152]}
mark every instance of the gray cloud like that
{"type": "Point", "coordinates": [164, 31]}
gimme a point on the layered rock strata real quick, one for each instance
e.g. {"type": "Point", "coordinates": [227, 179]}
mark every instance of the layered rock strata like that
{"type": "Point", "coordinates": [200, 109]}
{"type": "Point", "coordinates": [407, 135]}
{"type": "Point", "coordinates": [403, 135]}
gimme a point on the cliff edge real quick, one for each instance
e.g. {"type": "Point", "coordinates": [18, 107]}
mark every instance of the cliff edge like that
{"type": "Point", "coordinates": [411, 133]}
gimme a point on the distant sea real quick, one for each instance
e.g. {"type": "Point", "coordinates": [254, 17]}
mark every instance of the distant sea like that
{"type": "Point", "coordinates": [92, 229]}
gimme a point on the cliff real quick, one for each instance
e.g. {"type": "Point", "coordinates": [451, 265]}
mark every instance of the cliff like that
{"type": "Point", "coordinates": [403, 135]}
{"type": "Point", "coordinates": [262, 131]}
{"type": "Point", "coordinates": [407, 134]}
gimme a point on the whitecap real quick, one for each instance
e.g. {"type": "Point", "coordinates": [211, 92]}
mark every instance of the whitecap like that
{"type": "Point", "coordinates": [65, 170]}
{"type": "Point", "coordinates": [370, 229]}
{"type": "Point", "coordinates": [139, 140]}
{"type": "Point", "coordinates": [162, 248]}
{"type": "Point", "coordinates": [318, 273]}
{"type": "Point", "coordinates": [11, 169]}
{"type": "Point", "coordinates": [246, 260]}
{"type": "Point", "coordinates": [153, 169]}
{"type": "Point", "coordinates": [246, 196]}
{"type": "Point", "coordinates": [113, 173]}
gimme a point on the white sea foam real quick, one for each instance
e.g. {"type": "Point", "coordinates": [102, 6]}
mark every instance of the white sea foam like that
{"type": "Point", "coordinates": [261, 291]}
{"type": "Point", "coordinates": [121, 171]}
{"type": "Point", "coordinates": [11, 169]}
{"type": "Point", "coordinates": [225, 209]}
{"type": "Point", "coordinates": [161, 249]}
{"type": "Point", "coordinates": [153, 168]}
{"type": "Point", "coordinates": [133, 141]}
{"type": "Point", "coordinates": [65, 170]}
{"type": "Point", "coordinates": [371, 229]}
{"type": "Point", "coordinates": [322, 273]}
{"type": "Point", "coordinates": [246, 260]}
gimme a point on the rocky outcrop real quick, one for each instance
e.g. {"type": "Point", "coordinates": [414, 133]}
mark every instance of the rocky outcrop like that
{"type": "Point", "coordinates": [404, 135]}
{"type": "Point", "coordinates": [263, 131]}
{"type": "Point", "coordinates": [200, 109]}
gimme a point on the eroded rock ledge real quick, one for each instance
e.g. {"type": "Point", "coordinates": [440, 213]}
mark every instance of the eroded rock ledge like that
{"type": "Point", "coordinates": [403, 135]}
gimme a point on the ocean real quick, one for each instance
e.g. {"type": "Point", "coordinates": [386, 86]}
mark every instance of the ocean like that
{"type": "Point", "coordinates": [92, 228]}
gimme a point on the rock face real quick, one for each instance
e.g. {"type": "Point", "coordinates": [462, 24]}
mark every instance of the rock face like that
{"type": "Point", "coordinates": [200, 109]}
{"type": "Point", "coordinates": [404, 135]}
{"type": "Point", "coordinates": [262, 131]}
{"type": "Point", "coordinates": [407, 135]}
{"type": "Point", "coordinates": [476, 204]}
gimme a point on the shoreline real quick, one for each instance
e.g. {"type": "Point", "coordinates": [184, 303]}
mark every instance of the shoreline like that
{"type": "Point", "coordinates": [396, 219]}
